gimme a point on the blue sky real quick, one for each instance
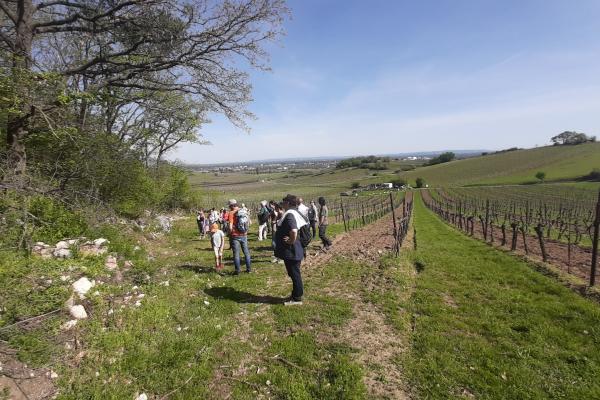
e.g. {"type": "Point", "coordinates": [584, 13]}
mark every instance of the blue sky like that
{"type": "Point", "coordinates": [374, 77]}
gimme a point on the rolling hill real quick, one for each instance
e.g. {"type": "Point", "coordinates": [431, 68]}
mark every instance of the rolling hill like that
{"type": "Point", "coordinates": [560, 163]}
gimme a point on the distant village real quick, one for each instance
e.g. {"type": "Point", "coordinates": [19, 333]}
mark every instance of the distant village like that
{"type": "Point", "coordinates": [263, 167]}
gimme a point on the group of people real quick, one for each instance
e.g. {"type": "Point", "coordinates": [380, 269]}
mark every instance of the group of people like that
{"type": "Point", "coordinates": [290, 223]}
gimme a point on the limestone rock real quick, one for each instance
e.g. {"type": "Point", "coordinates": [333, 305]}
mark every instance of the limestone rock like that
{"type": "Point", "coordinates": [78, 312]}
{"type": "Point", "coordinates": [100, 242]}
{"type": "Point", "coordinates": [82, 286]}
{"type": "Point", "coordinates": [164, 222]}
{"type": "Point", "coordinates": [111, 263]}
{"type": "Point", "coordinates": [63, 244]}
{"type": "Point", "coordinates": [62, 253]}
{"type": "Point", "coordinates": [68, 325]}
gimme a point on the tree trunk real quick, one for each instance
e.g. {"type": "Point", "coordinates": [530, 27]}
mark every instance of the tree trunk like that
{"type": "Point", "coordinates": [17, 126]}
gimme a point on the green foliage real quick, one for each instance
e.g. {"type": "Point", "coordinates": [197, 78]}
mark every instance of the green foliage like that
{"type": "Point", "coordinates": [442, 158]}
{"type": "Point", "coordinates": [398, 182]}
{"type": "Point", "coordinates": [355, 185]}
{"type": "Point", "coordinates": [594, 175]}
{"type": "Point", "coordinates": [572, 138]}
{"type": "Point", "coordinates": [420, 182]}
{"type": "Point", "coordinates": [369, 162]}
{"type": "Point", "coordinates": [37, 218]}
{"type": "Point", "coordinates": [53, 221]}
{"type": "Point", "coordinates": [541, 176]}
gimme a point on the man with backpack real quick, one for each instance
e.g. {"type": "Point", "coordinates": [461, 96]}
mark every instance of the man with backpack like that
{"type": "Point", "coordinates": [238, 235]}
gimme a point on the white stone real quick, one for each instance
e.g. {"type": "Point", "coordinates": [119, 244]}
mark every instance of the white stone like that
{"type": "Point", "coordinates": [142, 396]}
{"type": "Point", "coordinates": [65, 278]}
{"type": "Point", "coordinates": [71, 242]}
{"type": "Point", "coordinates": [62, 245]}
{"type": "Point", "coordinates": [165, 283]}
{"type": "Point", "coordinates": [128, 264]}
{"type": "Point", "coordinates": [62, 253]}
{"type": "Point", "coordinates": [78, 312]}
{"type": "Point", "coordinates": [138, 303]}
{"type": "Point", "coordinates": [53, 375]}
{"type": "Point", "coordinates": [82, 286]}
{"type": "Point", "coordinates": [206, 302]}
{"type": "Point", "coordinates": [101, 242]}
{"type": "Point", "coordinates": [111, 263]}
{"type": "Point", "coordinates": [164, 222]}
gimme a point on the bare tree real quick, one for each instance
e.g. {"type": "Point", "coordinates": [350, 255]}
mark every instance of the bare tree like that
{"type": "Point", "coordinates": [131, 45]}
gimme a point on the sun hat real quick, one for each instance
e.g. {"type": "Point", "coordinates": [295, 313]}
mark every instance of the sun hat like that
{"type": "Point", "coordinates": [232, 202]}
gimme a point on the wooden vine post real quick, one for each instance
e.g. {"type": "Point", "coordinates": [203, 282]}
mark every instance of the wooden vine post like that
{"type": "Point", "coordinates": [343, 215]}
{"type": "Point", "coordinates": [396, 246]}
{"type": "Point", "coordinates": [595, 243]}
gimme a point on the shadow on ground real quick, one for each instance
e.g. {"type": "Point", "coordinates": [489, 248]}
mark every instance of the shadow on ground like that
{"type": "Point", "coordinates": [201, 269]}
{"type": "Point", "coordinates": [242, 297]}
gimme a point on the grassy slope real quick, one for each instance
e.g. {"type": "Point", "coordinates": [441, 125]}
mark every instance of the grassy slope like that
{"type": "Point", "coordinates": [488, 325]}
{"type": "Point", "coordinates": [558, 162]}
{"type": "Point", "coordinates": [204, 335]}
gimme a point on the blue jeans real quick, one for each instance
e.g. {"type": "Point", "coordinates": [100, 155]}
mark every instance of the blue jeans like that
{"type": "Point", "coordinates": [236, 242]}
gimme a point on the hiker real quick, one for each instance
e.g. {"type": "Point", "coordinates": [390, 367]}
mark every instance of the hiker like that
{"type": "Point", "coordinates": [213, 216]}
{"type": "Point", "coordinates": [302, 208]}
{"type": "Point", "coordinates": [224, 219]}
{"type": "Point", "coordinates": [263, 220]}
{"type": "Point", "coordinates": [217, 240]}
{"type": "Point", "coordinates": [288, 246]}
{"type": "Point", "coordinates": [313, 214]}
{"type": "Point", "coordinates": [238, 235]}
{"type": "Point", "coordinates": [200, 217]}
{"type": "Point", "coordinates": [275, 217]}
{"type": "Point", "coordinates": [323, 222]}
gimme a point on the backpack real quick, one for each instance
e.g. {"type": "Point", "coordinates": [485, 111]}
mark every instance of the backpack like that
{"type": "Point", "coordinates": [263, 215]}
{"type": "Point", "coordinates": [304, 233]}
{"type": "Point", "coordinates": [241, 221]}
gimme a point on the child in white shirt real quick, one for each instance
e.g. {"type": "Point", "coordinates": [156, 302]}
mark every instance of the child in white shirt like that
{"type": "Point", "coordinates": [217, 240]}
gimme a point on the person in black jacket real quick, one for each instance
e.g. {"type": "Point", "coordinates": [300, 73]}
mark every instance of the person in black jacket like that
{"type": "Point", "coordinates": [288, 246]}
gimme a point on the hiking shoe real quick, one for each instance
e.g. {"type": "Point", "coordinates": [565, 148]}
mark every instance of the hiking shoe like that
{"type": "Point", "coordinates": [293, 302]}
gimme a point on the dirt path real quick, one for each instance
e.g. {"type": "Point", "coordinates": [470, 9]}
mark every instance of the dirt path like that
{"type": "Point", "coordinates": [379, 345]}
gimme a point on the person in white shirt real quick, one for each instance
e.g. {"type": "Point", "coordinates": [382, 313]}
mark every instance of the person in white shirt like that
{"type": "Point", "coordinates": [217, 240]}
{"type": "Point", "coordinates": [302, 208]}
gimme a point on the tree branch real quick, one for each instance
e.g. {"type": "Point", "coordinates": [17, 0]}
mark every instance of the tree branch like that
{"type": "Point", "coordinates": [8, 13]}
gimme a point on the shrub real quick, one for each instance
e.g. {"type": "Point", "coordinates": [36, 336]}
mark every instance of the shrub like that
{"type": "Point", "coordinates": [355, 185]}
{"type": "Point", "coordinates": [442, 158]}
{"type": "Point", "coordinates": [594, 175]}
{"type": "Point", "coordinates": [420, 182]}
{"type": "Point", "coordinates": [541, 176]}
